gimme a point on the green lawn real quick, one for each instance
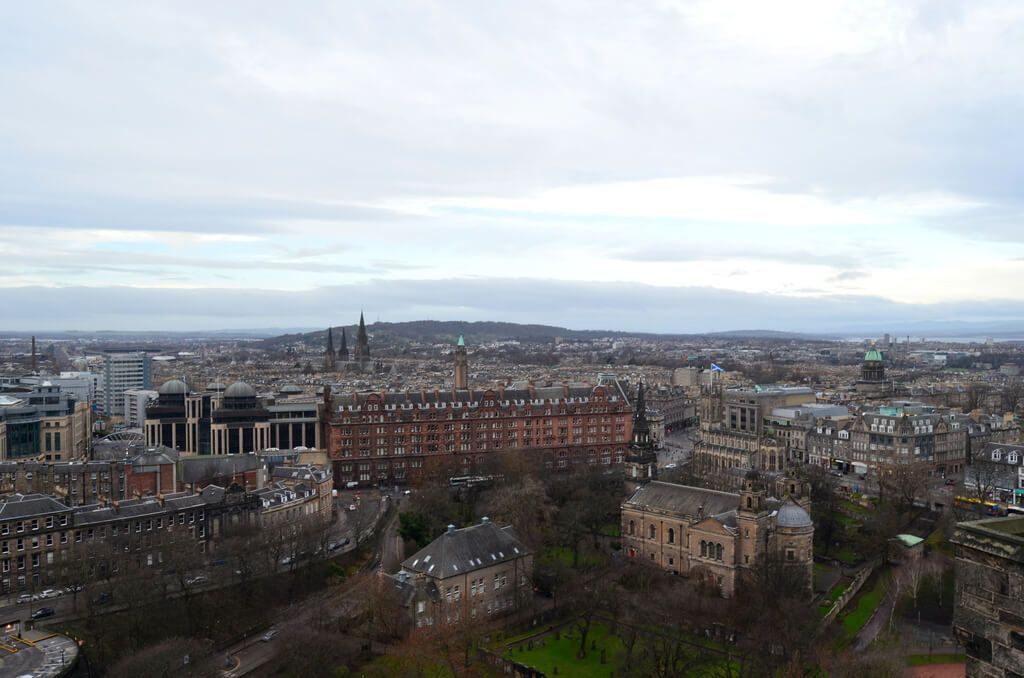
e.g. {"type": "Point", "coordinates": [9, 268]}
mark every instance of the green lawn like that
{"type": "Point", "coordinates": [846, 555]}
{"type": "Point", "coordinates": [838, 590]}
{"type": "Point", "coordinates": [863, 605]}
{"type": "Point", "coordinates": [853, 507]}
{"type": "Point", "coordinates": [928, 659]}
{"type": "Point", "coordinates": [561, 653]}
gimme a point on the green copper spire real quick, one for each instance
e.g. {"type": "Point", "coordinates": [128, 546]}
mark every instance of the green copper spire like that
{"type": "Point", "coordinates": [461, 342]}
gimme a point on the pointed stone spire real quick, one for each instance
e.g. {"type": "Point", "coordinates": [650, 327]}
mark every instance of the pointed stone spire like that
{"type": "Point", "coordinates": [640, 415]}
{"type": "Point", "coordinates": [329, 355]}
{"type": "Point", "coordinates": [362, 342]}
{"type": "Point", "coordinates": [343, 351]}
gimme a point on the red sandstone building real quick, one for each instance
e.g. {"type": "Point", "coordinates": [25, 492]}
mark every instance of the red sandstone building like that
{"type": "Point", "coordinates": [386, 438]}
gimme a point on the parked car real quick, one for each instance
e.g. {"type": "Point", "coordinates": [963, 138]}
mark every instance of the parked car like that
{"type": "Point", "coordinates": [24, 598]}
{"type": "Point", "coordinates": [43, 612]}
{"type": "Point", "coordinates": [196, 580]}
{"type": "Point", "coordinates": [351, 507]}
{"type": "Point", "coordinates": [950, 481]}
{"type": "Point", "coordinates": [268, 636]}
{"type": "Point", "coordinates": [49, 593]}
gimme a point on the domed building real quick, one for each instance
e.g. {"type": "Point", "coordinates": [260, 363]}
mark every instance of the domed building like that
{"type": "Point", "coordinates": [178, 419]}
{"type": "Point", "coordinates": [241, 424]}
{"type": "Point", "coordinates": [872, 374]}
{"type": "Point", "coordinates": [717, 537]}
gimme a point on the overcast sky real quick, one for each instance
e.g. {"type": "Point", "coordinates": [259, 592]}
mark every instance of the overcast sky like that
{"type": "Point", "coordinates": [664, 166]}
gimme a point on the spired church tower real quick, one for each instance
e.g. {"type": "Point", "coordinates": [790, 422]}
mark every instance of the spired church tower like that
{"type": "Point", "coordinates": [641, 462]}
{"type": "Point", "coordinates": [362, 353]}
{"type": "Point", "coordinates": [343, 351]}
{"type": "Point", "coordinates": [330, 359]}
{"type": "Point", "coordinates": [461, 365]}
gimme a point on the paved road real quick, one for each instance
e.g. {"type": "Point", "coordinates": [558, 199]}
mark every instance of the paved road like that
{"type": "Point", "coordinates": [678, 447]}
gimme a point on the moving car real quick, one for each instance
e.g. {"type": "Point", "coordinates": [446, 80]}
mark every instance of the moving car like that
{"type": "Point", "coordinates": [23, 598]}
{"type": "Point", "coordinates": [43, 612]}
{"type": "Point", "coordinates": [268, 636]}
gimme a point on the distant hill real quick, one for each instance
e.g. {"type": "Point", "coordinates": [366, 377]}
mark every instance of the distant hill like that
{"type": "Point", "coordinates": [438, 331]}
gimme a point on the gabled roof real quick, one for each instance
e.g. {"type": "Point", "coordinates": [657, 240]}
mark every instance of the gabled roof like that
{"type": "Point", "coordinates": [682, 500]}
{"type": "Point", "coordinates": [457, 552]}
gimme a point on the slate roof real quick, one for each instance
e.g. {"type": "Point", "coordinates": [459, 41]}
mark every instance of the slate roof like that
{"type": "Point", "coordinates": [206, 467]}
{"type": "Point", "coordinates": [16, 506]}
{"type": "Point", "coordinates": [682, 500]}
{"type": "Point", "coordinates": [457, 552]}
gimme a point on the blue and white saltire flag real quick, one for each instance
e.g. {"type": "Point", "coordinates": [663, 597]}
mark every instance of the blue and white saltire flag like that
{"type": "Point", "coordinates": [716, 368]}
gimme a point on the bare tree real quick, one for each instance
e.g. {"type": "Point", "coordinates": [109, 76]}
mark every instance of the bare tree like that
{"type": "Point", "coordinates": [171, 657]}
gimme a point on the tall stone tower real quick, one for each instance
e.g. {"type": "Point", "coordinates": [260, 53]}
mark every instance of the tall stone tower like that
{"type": "Point", "coordinates": [330, 358]}
{"type": "Point", "coordinates": [752, 522]}
{"type": "Point", "coordinates": [461, 365]}
{"type": "Point", "coordinates": [362, 352]}
{"type": "Point", "coordinates": [343, 351]}
{"type": "Point", "coordinates": [641, 461]}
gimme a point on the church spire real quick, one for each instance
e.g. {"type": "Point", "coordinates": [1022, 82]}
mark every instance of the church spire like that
{"type": "Point", "coordinates": [343, 351]}
{"type": "Point", "coordinates": [329, 356]}
{"type": "Point", "coordinates": [362, 342]}
{"type": "Point", "coordinates": [641, 460]}
{"type": "Point", "coordinates": [641, 428]}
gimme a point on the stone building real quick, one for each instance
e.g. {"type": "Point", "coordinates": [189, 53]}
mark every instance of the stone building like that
{"type": "Point", "coordinates": [384, 438]}
{"type": "Point", "coordinates": [908, 432]}
{"type": "Point", "coordinates": [733, 431]}
{"type": "Point", "coordinates": [471, 574]}
{"type": "Point", "coordinates": [716, 536]}
{"type": "Point", "coordinates": [987, 617]}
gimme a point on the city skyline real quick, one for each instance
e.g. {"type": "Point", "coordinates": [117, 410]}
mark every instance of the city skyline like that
{"type": "Point", "coordinates": [671, 167]}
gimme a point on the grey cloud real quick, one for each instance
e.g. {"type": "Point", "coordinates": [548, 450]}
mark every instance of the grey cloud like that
{"type": "Point", "coordinates": [682, 254]}
{"type": "Point", "coordinates": [579, 305]}
{"type": "Point", "coordinates": [847, 276]}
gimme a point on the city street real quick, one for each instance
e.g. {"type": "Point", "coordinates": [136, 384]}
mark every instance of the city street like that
{"type": "Point", "coordinates": [678, 447]}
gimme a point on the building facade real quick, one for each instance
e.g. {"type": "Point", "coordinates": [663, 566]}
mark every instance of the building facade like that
{"type": "Point", "coordinates": [472, 575]}
{"type": "Point", "coordinates": [987, 616]}
{"type": "Point", "coordinates": [716, 536]}
{"type": "Point", "coordinates": [135, 402]}
{"type": "Point", "coordinates": [733, 431]}
{"type": "Point", "coordinates": [122, 372]}
{"type": "Point", "coordinates": [43, 422]}
{"type": "Point", "coordinates": [385, 438]}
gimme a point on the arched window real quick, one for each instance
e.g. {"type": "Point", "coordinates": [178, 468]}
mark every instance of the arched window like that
{"type": "Point", "coordinates": [671, 536]}
{"type": "Point", "coordinates": [750, 502]}
{"type": "Point", "coordinates": [632, 527]}
{"type": "Point", "coordinates": [652, 531]}
{"type": "Point", "coordinates": [718, 551]}
{"type": "Point", "coordinates": [703, 549]}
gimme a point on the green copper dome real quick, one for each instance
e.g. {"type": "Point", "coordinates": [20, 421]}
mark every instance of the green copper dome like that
{"type": "Point", "coordinates": [873, 356]}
